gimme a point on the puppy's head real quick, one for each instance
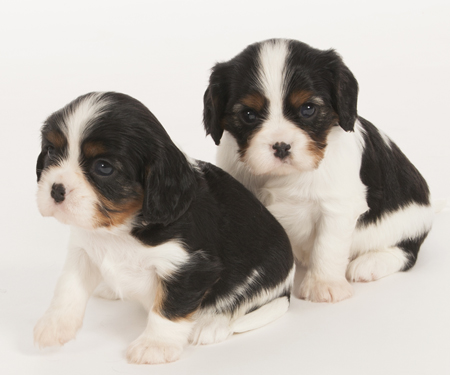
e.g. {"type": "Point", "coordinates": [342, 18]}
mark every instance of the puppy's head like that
{"type": "Point", "coordinates": [279, 99]}
{"type": "Point", "coordinates": [106, 160]}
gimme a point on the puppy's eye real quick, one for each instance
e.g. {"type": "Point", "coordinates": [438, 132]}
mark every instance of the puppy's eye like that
{"type": "Point", "coordinates": [103, 168]}
{"type": "Point", "coordinates": [307, 110]}
{"type": "Point", "coordinates": [51, 152]}
{"type": "Point", "coordinates": [249, 116]}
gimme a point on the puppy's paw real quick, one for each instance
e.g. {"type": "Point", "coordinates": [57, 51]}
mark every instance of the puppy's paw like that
{"type": "Point", "coordinates": [147, 351]}
{"type": "Point", "coordinates": [359, 270]}
{"type": "Point", "coordinates": [315, 289]}
{"type": "Point", "coordinates": [55, 329]}
{"type": "Point", "coordinates": [211, 330]}
{"type": "Point", "coordinates": [376, 264]}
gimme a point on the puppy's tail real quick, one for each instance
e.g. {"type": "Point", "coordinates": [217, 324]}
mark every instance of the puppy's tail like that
{"type": "Point", "coordinates": [440, 205]}
{"type": "Point", "coordinates": [262, 316]}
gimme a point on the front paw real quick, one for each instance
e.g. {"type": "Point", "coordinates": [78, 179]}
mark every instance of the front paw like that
{"type": "Point", "coordinates": [147, 351]}
{"type": "Point", "coordinates": [315, 289]}
{"type": "Point", "coordinates": [55, 329]}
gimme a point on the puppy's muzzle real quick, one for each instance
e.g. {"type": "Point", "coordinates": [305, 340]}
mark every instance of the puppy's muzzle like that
{"type": "Point", "coordinates": [58, 192]}
{"type": "Point", "coordinates": [281, 150]}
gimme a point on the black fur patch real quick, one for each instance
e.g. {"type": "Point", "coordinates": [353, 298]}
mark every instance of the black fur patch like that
{"type": "Point", "coordinates": [411, 247]}
{"type": "Point", "coordinates": [391, 179]}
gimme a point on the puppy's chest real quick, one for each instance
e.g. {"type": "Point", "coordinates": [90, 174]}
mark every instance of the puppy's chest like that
{"type": "Point", "coordinates": [293, 209]}
{"type": "Point", "coordinates": [288, 194]}
{"type": "Point", "coordinates": [129, 267]}
{"type": "Point", "coordinates": [126, 265]}
{"type": "Point", "coordinates": [300, 202]}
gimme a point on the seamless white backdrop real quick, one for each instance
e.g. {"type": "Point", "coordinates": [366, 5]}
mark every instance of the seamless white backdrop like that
{"type": "Point", "coordinates": [161, 52]}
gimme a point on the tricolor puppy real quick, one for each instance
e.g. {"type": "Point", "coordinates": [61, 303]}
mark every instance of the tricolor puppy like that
{"type": "Point", "coordinates": [353, 205]}
{"type": "Point", "coordinates": [185, 239]}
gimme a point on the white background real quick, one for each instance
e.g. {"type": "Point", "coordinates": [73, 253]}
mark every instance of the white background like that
{"type": "Point", "coordinates": [160, 52]}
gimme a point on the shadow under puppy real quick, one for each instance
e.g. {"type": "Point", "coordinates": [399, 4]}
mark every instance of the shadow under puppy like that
{"type": "Point", "coordinates": [353, 205]}
{"type": "Point", "coordinates": [185, 239]}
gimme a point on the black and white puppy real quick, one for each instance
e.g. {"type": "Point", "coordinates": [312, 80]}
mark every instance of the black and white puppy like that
{"type": "Point", "coordinates": [353, 205]}
{"type": "Point", "coordinates": [185, 239]}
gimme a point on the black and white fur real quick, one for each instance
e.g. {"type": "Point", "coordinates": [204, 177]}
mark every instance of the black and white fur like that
{"type": "Point", "coordinates": [197, 249]}
{"type": "Point", "coordinates": [353, 205]}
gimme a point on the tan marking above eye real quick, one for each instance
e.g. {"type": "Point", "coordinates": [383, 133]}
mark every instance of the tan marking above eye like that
{"type": "Point", "coordinates": [93, 149]}
{"type": "Point", "coordinates": [254, 101]}
{"type": "Point", "coordinates": [56, 138]}
{"type": "Point", "coordinates": [298, 98]}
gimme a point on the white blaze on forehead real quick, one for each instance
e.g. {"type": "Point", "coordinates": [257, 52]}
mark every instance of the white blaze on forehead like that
{"type": "Point", "coordinates": [259, 156]}
{"type": "Point", "coordinates": [80, 118]}
{"type": "Point", "coordinates": [272, 70]}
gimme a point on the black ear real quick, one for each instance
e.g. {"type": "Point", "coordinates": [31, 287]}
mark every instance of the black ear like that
{"type": "Point", "coordinates": [170, 186]}
{"type": "Point", "coordinates": [345, 95]}
{"type": "Point", "coordinates": [40, 165]}
{"type": "Point", "coordinates": [215, 101]}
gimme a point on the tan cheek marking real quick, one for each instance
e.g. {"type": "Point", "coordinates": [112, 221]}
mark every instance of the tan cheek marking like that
{"type": "Point", "coordinates": [316, 147]}
{"type": "Point", "coordinates": [93, 149]}
{"type": "Point", "coordinates": [298, 98]}
{"type": "Point", "coordinates": [255, 101]}
{"type": "Point", "coordinates": [56, 138]}
{"type": "Point", "coordinates": [114, 214]}
{"type": "Point", "coordinates": [316, 153]}
{"type": "Point", "coordinates": [242, 151]}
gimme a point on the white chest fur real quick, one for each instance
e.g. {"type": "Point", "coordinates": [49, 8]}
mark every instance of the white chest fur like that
{"type": "Point", "coordinates": [127, 266]}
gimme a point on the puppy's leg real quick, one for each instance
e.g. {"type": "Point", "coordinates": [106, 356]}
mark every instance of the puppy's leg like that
{"type": "Point", "coordinates": [170, 320]}
{"type": "Point", "coordinates": [211, 328]}
{"type": "Point", "coordinates": [172, 314]}
{"type": "Point", "coordinates": [64, 317]}
{"type": "Point", "coordinates": [162, 341]}
{"type": "Point", "coordinates": [325, 278]}
{"type": "Point", "coordinates": [374, 265]}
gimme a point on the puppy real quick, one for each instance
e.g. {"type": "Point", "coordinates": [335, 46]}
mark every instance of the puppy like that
{"type": "Point", "coordinates": [185, 239]}
{"type": "Point", "coordinates": [353, 205]}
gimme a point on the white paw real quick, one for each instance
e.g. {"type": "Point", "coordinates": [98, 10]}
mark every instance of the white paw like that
{"type": "Point", "coordinates": [319, 290]}
{"type": "Point", "coordinates": [148, 351]}
{"type": "Point", "coordinates": [210, 330]}
{"type": "Point", "coordinates": [374, 265]}
{"type": "Point", "coordinates": [360, 271]}
{"type": "Point", "coordinates": [55, 329]}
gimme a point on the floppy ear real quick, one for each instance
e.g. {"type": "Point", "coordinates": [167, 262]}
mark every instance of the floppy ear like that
{"type": "Point", "coordinates": [170, 187]}
{"type": "Point", "coordinates": [215, 101]}
{"type": "Point", "coordinates": [40, 165]}
{"type": "Point", "coordinates": [345, 95]}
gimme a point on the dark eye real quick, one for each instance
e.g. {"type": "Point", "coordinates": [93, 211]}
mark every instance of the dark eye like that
{"type": "Point", "coordinates": [249, 116]}
{"type": "Point", "coordinates": [307, 110]}
{"type": "Point", "coordinates": [51, 152]}
{"type": "Point", "coordinates": [103, 168]}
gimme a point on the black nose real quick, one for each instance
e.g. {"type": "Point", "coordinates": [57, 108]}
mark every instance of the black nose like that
{"type": "Point", "coordinates": [281, 150]}
{"type": "Point", "coordinates": [58, 192]}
